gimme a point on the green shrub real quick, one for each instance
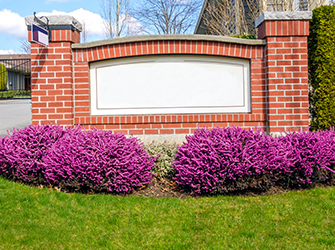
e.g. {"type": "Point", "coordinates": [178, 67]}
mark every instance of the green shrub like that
{"type": "Point", "coordinates": [7, 94]}
{"type": "Point", "coordinates": [166, 152]}
{"type": "Point", "coordinates": [321, 60]}
{"type": "Point", "coordinates": [22, 93]}
{"type": "Point", "coordinates": [3, 77]}
{"type": "Point", "coordinates": [245, 36]}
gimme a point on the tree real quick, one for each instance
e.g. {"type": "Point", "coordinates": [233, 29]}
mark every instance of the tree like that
{"type": "Point", "coordinates": [168, 16]}
{"type": "Point", "coordinates": [237, 17]}
{"type": "Point", "coordinates": [115, 14]}
{"type": "Point", "coordinates": [24, 45]}
{"type": "Point", "coordinates": [3, 77]}
{"type": "Point", "coordinates": [85, 33]}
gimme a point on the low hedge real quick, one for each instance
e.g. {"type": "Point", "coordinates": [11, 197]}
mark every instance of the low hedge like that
{"type": "Point", "coordinates": [225, 160]}
{"type": "Point", "coordinates": [75, 159]}
{"type": "Point", "coordinates": [211, 161]}
{"type": "Point", "coordinates": [7, 94]}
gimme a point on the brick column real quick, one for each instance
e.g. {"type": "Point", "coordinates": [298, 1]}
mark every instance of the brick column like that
{"type": "Point", "coordinates": [287, 68]}
{"type": "Point", "coordinates": [52, 72]}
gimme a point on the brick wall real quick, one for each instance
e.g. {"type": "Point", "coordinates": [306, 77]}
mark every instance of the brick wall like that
{"type": "Point", "coordinates": [287, 73]}
{"type": "Point", "coordinates": [279, 81]}
{"type": "Point", "coordinates": [168, 124]}
{"type": "Point", "coordinates": [52, 79]}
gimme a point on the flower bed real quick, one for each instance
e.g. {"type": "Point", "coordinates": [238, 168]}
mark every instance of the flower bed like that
{"type": "Point", "coordinates": [211, 161]}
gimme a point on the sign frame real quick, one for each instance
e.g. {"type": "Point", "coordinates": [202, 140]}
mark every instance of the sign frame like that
{"type": "Point", "coordinates": [39, 35]}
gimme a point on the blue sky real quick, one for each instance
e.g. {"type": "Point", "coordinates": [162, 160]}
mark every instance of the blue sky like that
{"type": "Point", "coordinates": [12, 13]}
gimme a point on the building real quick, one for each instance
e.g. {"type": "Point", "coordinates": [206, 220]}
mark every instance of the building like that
{"type": "Point", "coordinates": [235, 17]}
{"type": "Point", "coordinates": [17, 68]}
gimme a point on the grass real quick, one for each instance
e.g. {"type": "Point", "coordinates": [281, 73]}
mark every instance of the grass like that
{"type": "Point", "coordinates": [32, 218]}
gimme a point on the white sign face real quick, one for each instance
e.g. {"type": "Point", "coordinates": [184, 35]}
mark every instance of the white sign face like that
{"type": "Point", "coordinates": [40, 35]}
{"type": "Point", "coordinates": [170, 84]}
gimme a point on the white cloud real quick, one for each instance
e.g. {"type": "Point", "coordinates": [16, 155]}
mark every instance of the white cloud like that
{"type": "Point", "coordinates": [6, 52]}
{"type": "Point", "coordinates": [135, 27]}
{"type": "Point", "coordinates": [93, 21]}
{"type": "Point", "coordinates": [12, 23]}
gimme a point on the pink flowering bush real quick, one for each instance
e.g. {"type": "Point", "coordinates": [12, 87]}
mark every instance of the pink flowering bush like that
{"type": "Point", "coordinates": [75, 159]}
{"type": "Point", "coordinates": [306, 158]}
{"type": "Point", "coordinates": [22, 151]}
{"type": "Point", "coordinates": [98, 160]}
{"type": "Point", "coordinates": [232, 159]}
{"type": "Point", "coordinates": [220, 160]}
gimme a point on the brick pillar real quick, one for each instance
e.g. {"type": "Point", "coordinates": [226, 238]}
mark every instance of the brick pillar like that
{"type": "Point", "coordinates": [52, 72]}
{"type": "Point", "coordinates": [287, 68]}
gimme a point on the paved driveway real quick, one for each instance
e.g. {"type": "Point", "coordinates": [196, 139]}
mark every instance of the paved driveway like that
{"type": "Point", "coordinates": [14, 113]}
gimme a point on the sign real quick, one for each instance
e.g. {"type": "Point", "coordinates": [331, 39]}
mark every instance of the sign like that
{"type": "Point", "coordinates": [40, 35]}
{"type": "Point", "coordinates": [170, 84]}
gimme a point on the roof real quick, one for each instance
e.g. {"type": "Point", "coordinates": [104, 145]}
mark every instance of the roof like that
{"type": "Point", "coordinates": [14, 56]}
{"type": "Point", "coordinates": [200, 24]}
{"type": "Point", "coordinates": [16, 62]}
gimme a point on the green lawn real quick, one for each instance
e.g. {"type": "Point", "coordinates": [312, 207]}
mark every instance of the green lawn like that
{"type": "Point", "coordinates": [32, 218]}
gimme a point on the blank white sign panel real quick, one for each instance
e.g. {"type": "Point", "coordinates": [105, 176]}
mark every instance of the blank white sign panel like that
{"type": "Point", "coordinates": [170, 84]}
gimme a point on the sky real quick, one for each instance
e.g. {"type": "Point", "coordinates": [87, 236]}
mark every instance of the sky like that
{"type": "Point", "coordinates": [12, 25]}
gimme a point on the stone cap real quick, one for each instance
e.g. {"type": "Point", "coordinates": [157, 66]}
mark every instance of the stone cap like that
{"type": "Point", "coordinates": [150, 38]}
{"type": "Point", "coordinates": [283, 15]}
{"type": "Point", "coordinates": [57, 22]}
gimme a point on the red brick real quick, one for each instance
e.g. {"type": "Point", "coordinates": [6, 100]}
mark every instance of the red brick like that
{"type": "Point", "coordinates": [166, 131]}
{"type": "Point", "coordinates": [292, 92]}
{"type": "Point", "coordinates": [301, 123]}
{"type": "Point", "coordinates": [47, 98]}
{"type": "Point", "coordinates": [56, 116]}
{"type": "Point", "coordinates": [156, 125]}
{"type": "Point", "coordinates": [64, 86]}
{"type": "Point", "coordinates": [172, 125]}
{"type": "Point", "coordinates": [292, 57]}
{"type": "Point", "coordinates": [47, 110]}
{"type": "Point", "coordinates": [136, 132]}
{"type": "Point", "coordinates": [128, 126]}
{"type": "Point", "coordinates": [55, 80]}
{"type": "Point", "coordinates": [182, 131]}
{"type": "Point", "coordinates": [63, 74]}
{"type": "Point", "coordinates": [55, 104]}
{"type": "Point", "coordinates": [39, 117]}
{"type": "Point", "coordinates": [151, 131]}
{"type": "Point", "coordinates": [64, 110]}
{"type": "Point", "coordinates": [285, 123]}
{"type": "Point", "coordinates": [47, 86]}
{"type": "Point", "coordinates": [64, 98]}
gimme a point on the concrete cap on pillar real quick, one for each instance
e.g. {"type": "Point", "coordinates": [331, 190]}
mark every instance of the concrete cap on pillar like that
{"type": "Point", "coordinates": [58, 22]}
{"type": "Point", "coordinates": [283, 15]}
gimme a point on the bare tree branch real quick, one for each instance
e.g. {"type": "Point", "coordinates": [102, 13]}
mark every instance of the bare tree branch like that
{"type": "Point", "coordinates": [85, 33]}
{"type": "Point", "coordinates": [24, 45]}
{"type": "Point", "coordinates": [168, 16]}
{"type": "Point", "coordinates": [237, 17]}
{"type": "Point", "coordinates": [117, 18]}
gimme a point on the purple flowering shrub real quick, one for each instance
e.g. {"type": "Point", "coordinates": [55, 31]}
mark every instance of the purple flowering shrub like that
{"type": "Point", "coordinates": [232, 159]}
{"type": "Point", "coordinates": [306, 158]}
{"type": "Point", "coordinates": [225, 159]}
{"type": "Point", "coordinates": [75, 159]}
{"type": "Point", "coordinates": [214, 161]}
{"type": "Point", "coordinates": [22, 151]}
{"type": "Point", "coordinates": [98, 160]}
